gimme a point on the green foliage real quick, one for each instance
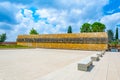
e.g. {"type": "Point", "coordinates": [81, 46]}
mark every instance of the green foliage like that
{"type": "Point", "coordinates": [110, 35]}
{"type": "Point", "coordinates": [86, 27]}
{"type": "Point", "coordinates": [3, 37]}
{"type": "Point", "coordinates": [13, 46]}
{"type": "Point", "coordinates": [118, 41]}
{"type": "Point", "coordinates": [98, 27]}
{"type": "Point", "coordinates": [114, 42]}
{"type": "Point", "coordinates": [69, 29]}
{"type": "Point", "coordinates": [116, 35]}
{"type": "Point", "coordinates": [33, 31]}
{"type": "Point", "coordinates": [95, 27]}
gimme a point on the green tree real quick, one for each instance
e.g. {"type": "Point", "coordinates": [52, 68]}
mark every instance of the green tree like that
{"type": "Point", "coordinates": [69, 29]}
{"type": "Point", "coordinates": [98, 27]}
{"type": "Point", "coordinates": [110, 35]}
{"type": "Point", "coordinates": [3, 37]}
{"type": "Point", "coordinates": [116, 35]}
{"type": "Point", "coordinates": [86, 27]}
{"type": "Point", "coordinates": [33, 31]}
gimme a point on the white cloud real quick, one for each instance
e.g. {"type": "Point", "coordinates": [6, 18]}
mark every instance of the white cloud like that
{"type": "Point", "coordinates": [43, 13]}
{"type": "Point", "coordinates": [28, 13]}
{"type": "Point", "coordinates": [111, 20]}
{"type": "Point", "coordinates": [74, 13]}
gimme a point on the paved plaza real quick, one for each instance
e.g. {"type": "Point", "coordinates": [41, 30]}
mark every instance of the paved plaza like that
{"type": "Point", "coordinates": [52, 64]}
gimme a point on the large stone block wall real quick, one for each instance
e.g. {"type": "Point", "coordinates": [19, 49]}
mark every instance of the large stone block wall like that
{"type": "Point", "coordinates": [82, 41]}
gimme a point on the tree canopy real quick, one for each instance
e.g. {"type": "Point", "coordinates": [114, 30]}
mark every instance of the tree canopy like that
{"type": "Point", "coordinates": [116, 35]}
{"type": "Point", "coordinates": [95, 27]}
{"type": "Point", "coordinates": [3, 37]}
{"type": "Point", "coordinates": [69, 29]}
{"type": "Point", "coordinates": [110, 35]}
{"type": "Point", "coordinates": [33, 31]}
{"type": "Point", "coordinates": [98, 27]}
{"type": "Point", "coordinates": [86, 27]}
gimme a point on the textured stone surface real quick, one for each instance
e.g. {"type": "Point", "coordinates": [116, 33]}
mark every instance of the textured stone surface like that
{"type": "Point", "coordinates": [95, 57]}
{"type": "Point", "coordinates": [30, 64]}
{"type": "Point", "coordinates": [108, 68]}
{"type": "Point", "coordinates": [51, 64]}
{"type": "Point", "coordinates": [84, 64]}
{"type": "Point", "coordinates": [98, 41]}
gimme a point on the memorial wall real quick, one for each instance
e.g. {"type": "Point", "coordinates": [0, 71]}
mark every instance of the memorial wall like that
{"type": "Point", "coordinates": [81, 41]}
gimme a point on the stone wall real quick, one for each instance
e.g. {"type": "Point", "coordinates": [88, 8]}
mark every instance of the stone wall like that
{"type": "Point", "coordinates": [82, 41]}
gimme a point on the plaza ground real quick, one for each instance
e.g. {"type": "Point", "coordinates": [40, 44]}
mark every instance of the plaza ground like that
{"type": "Point", "coordinates": [52, 64]}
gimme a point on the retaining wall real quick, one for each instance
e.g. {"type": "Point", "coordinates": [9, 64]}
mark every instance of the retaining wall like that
{"type": "Point", "coordinates": [82, 41]}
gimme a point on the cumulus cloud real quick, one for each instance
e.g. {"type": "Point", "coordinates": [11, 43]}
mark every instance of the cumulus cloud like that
{"type": "Point", "coordinates": [111, 21]}
{"type": "Point", "coordinates": [82, 11]}
{"type": "Point", "coordinates": [48, 16]}
{"type": "Point", "coordinates": [8, 18]}
{"type": "Point", "coordinates": [6, 14]}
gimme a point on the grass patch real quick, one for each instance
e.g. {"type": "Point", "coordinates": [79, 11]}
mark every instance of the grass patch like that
{"type": "Point", "coordinates": [12, 46]}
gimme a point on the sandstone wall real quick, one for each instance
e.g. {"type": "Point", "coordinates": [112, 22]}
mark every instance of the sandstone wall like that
{"type": "Point", "coordinates": [82, 41]}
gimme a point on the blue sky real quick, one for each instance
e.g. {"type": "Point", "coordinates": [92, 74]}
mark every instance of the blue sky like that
{"type": "Point", "coordinates": [54, 16]}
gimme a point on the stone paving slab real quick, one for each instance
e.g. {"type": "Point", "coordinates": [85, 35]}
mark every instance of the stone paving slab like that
{"type": "Point", "coordinates": [30, 64]}
{"type": "Point", "coordinates": [108, 68]}
{"type": "Point", "coordinates": [52, 64]}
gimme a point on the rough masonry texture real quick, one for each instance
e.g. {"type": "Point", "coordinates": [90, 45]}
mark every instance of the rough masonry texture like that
{"type": "Point", "coordinates": [82, 41]}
